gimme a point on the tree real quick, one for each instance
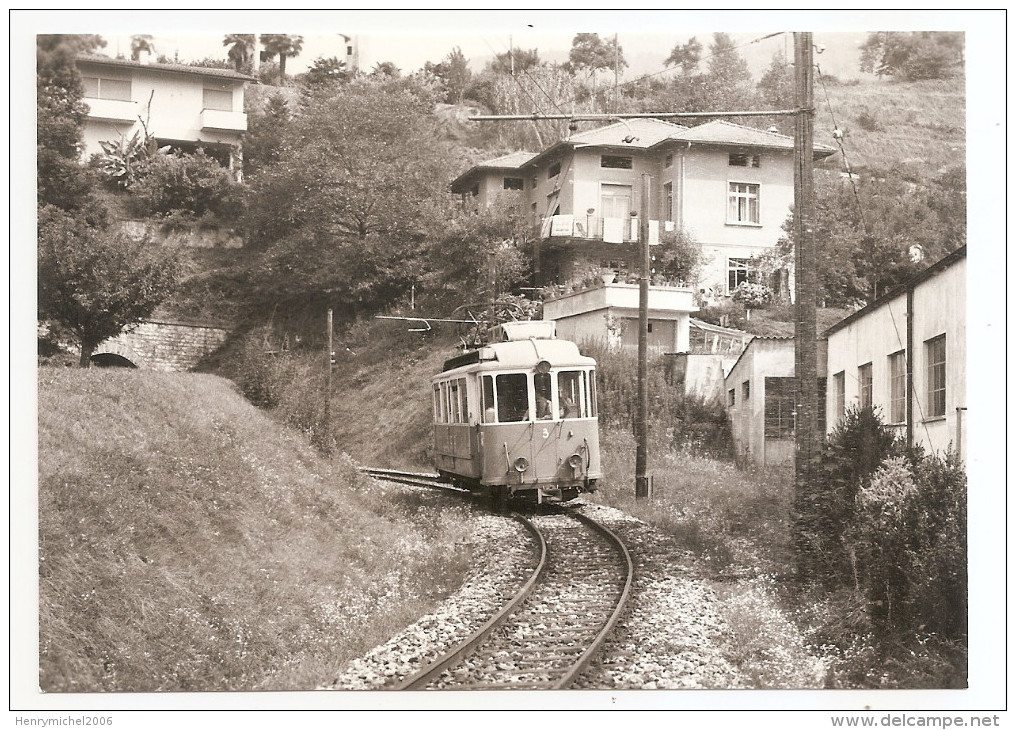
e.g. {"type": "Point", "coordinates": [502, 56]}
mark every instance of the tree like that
{"type": "Point", "coordinates": [284, 46]}
{"type": "Point", "coordinates": [326, 72]}
{"type": "Point", "coordinates": [453, 73]}
{"type": "Point", "coordinates": [591, 53]}
{"type": "Point", "coordinates": [141, 44]}
{"type": "Point", "coordinates": [241, 50]}
{"type": "Point", "coordinates": [386, 69]}
{"type": "Point", "coordinates": [61, 118]}
{"type": "Point", "coordinates": [913, 56]}
{"type": "Point", "coordinates": [686, 56]}
{"type": "Point", "coordinates": [94, 281]}
{"type": "Point", "coordinates": [266, 130]}
{"type": "Point", "coordinates": [728, 81]}
{"type": "Point", "coordinates": [344, 212]}
{"type": "Point", "coordinates": [515, 61]}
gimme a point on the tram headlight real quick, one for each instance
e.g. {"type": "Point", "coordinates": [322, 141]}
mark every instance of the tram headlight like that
{"type": "Point", "coordinates": [543, 367]}
{"type": "Point", "coordinates": [575, 461]}
{"type": "Point", "coordinates": [521, 464]}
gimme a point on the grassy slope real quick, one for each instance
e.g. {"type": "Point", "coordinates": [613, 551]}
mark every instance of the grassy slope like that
{"type": "Point", "coordinates": [921, 125]}
{"type": "Point", "coordinates": [187, 542]}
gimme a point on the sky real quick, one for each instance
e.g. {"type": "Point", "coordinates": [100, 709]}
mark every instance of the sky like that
{"type": "Point", "coordinates": [411, 38]}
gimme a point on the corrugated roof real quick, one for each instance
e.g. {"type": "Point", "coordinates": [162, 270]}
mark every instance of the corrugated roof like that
{"type": "Point", "coordinates": [222, 73]}
{"type": "Point", "coordinates": [722, 132]}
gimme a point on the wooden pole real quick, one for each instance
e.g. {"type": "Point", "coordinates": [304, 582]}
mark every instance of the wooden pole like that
{"type": "Point", "coordinates": [805, 345]}
{"type": "Point", "coordinates": [642, 414]}
{"type": "Point", "coordinates": [326, 428]}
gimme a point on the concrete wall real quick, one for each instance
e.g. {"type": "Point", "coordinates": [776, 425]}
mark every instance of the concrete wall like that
{"type": "Point", "coordinates": [762, 358]}
{"type": "Point", "coordinates": [939, 308]}
{"type": "Point", "coordinates": [165, 346]}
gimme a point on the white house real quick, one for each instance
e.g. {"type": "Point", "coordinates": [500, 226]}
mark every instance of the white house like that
{"type": "Point", "coordinates": [905, 355]}
{"type": "Point", "coordinates": [186, 107]}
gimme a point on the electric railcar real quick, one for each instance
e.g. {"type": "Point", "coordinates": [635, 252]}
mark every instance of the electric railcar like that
{"type": "Point", "coordinates": [517, 418]}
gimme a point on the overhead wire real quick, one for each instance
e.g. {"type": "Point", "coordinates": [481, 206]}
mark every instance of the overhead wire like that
{"type": "Point", "coordinates": [839, 137]}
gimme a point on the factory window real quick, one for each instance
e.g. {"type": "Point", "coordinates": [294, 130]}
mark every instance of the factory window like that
{"type": "Point", "coordinates": [730, 397]}
{"type": "Point", "coordinates": [218, 98]}
{"type": "Point", "coordinates": [742, 159]}
{"type": "Point", "coordinates": [779, 408]}
{"type": "Point", "coordinates": [742, 203]}
{"type": "Point", "coordinates": [615, 162]}
{"type": "Point", "coordinates": [864, 385]}
{"type": "Point", "coordinates": [898, 387]}
{"type": "Point", "coordinates": [554, 170]}
{"type": "Point", "coordinates": [668, 160]}
{"type": "Point", "coordinates": [934, 350]}
{"type": "Point", "coordinates": [513, 183]}
{"type": "Point", "coordinates": [840, 393]}
{"type": "Point", "coordinates": [97, 87]}
{"type": "Point", "coordinates": [746, 392]}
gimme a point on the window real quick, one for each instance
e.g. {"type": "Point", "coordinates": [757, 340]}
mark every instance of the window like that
{"type": "Point", "coordinates": [544, 398]}
{"type": "Point", "coordinates": [864, 385]}
{"type": "Point", "coordinates": [576, 394]}
{"type": "Point", "coordinates": [457, 406]}
{"type": "Point", "coordinates": [97, 87]}
{"type": "Point", "coordinates": [554, 170]}
{"type": "Point", "coordinates": [475, 191]}
{"type": "Point", "coordinates": [737, 273]}
{"type": "Point", "coordinates": [615, 200]}
{"type": "Point", "coordinates": [219, 99]}
{"type": "Point", "coordinates": [746, 392]}
{"type": "Point", "coordinates": [779, 408]}
{"type": "Point", "coordinates": [437, 404]}
{"type": "Point", "coordinates": [532, 182]}
{"type": "Point", "coordinates": [615, 162]}
{"type": "Point", "coordinates": [512, 397]}
{"type": "Point", "coordinates": [349, 50]}
{"type": "Point", "coordinates": [934, 350]}
{"type": "Point", "coordinates": [513, 183]}
{"type": "Point", "coordinates": [742, 203]}
{"type": "Point", "coordinates": [487, 399]}
{"type": "Point", "coordinates": [742, 159]}
{"type": "Point", "coordinates": [898, 387]}
{"type": "Point", "coordinates": [668, 160]}
{"type": "Point", "coordinates": [668, 201]}
{"type": "Point", "coordinates": [840, 393]}
{"type": "Point", "coordinates": [730, 397]}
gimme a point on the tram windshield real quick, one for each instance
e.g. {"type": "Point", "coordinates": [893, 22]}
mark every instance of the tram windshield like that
{"type": "Point", "coordinates": [576, 394]}
{"type": "Point", "coordinates": [512, 397]}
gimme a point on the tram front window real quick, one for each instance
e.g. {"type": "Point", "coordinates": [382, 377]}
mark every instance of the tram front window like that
{"type": "Point", "coordinates": [512, 397]}
{"type": "Point", "coordinates": [541, 383]}
{"type": "Point", "coordinates": [571, 394]}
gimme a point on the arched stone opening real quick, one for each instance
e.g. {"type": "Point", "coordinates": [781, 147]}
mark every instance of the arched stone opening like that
{"type": "Point", "coordinates": [111, 360]}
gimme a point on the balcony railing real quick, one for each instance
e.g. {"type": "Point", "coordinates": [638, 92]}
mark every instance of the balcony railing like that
{"type": "Point", "coordinates": [608, 230]}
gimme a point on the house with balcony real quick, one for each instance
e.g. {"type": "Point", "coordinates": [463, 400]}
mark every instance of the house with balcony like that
{"type": "Point", "coordinates": [185, 107]}
{"type": "Point", "coordinates": [728, 186]}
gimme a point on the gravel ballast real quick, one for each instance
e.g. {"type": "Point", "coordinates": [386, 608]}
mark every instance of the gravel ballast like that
{"type": "Point", "coordinates": [670, 635]}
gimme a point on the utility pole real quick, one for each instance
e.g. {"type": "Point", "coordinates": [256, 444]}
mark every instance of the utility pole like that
{"type": "Point", "coordinates": [642, 414]}
{"type": "Point", "coordinates": [326, 428]}
{"type": "Point", "coordinates": [805, 345]}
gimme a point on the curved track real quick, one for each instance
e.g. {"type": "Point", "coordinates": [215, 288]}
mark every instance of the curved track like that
{"type": "Point", "coordinates": [547, 633]}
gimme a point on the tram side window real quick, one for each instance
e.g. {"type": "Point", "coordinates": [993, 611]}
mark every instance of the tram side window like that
{"type": "Point", "coordinates": [463, 401]}
{"type": "Point", "coordinates": [487, 399]}
{"type": "Point", "coordinates": [437, 403]}
{"type": "Point", "coordinates": [512, 397]}
{"type": "Point", "coordinates": [592, 392]}
{"type": "Point", "coordinates": [453, 402]}
{"type": "Point", "coordinates": [571, 394]}
{"type": "Point", "coordinates": [541, 383]}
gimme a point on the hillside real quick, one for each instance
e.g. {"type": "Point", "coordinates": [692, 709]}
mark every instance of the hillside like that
{"type": "Point", "coordinates": [920, 126]}
{"type": "Point", "coordinates": [188, 542]}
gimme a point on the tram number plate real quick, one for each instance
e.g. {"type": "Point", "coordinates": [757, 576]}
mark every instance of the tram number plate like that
{"type": "Point", "coordinates": [546, 433]}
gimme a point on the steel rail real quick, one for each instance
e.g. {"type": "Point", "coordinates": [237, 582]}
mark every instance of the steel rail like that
{"type": "Point", "coordinates": [572, 674]}
{"type": "Point", "coordinates": [429, 673]}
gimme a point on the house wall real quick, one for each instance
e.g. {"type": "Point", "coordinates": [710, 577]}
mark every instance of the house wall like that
{"type": "Point", "coordinates": [939, 308]}
{"type": "Point", "coordinates": [177, 102]}
{"type": "Point", "coordinates": [761, 359]}
{"type": "Point", "coordinates": [587, 177]}
{"type": "Point", "coordinates": [702, 176]}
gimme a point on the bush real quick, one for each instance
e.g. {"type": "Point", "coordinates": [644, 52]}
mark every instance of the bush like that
{"type": "Point", "coordinates": [195, 184]}
{"type": "Point", "coordinates": [825, 501]}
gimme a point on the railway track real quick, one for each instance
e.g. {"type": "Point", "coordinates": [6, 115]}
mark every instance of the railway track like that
{"type": "Point", "coordinates": [549, 631]}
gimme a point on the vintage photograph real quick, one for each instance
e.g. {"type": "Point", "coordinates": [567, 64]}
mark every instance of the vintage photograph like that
{"type": "Point", "coordinates": [521, 352]}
